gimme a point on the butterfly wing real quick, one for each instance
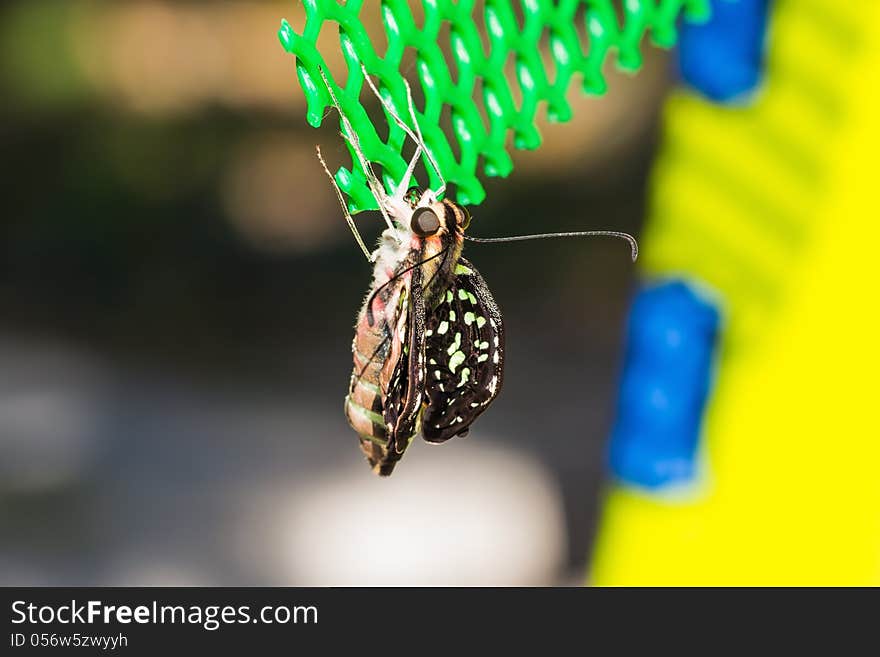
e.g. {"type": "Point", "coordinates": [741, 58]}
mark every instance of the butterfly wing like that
{"type": "Point", "coordinates": [464, 347]}
{"type": "Point", "coordinates": [405, 388]}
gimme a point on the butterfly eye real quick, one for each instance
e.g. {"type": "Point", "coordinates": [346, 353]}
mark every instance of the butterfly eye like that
{"type": "Point", "coordinates": [425, 222]}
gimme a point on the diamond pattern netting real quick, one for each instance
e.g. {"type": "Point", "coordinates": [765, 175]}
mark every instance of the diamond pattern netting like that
{"type": "Point", "coordinates": [480, 146]}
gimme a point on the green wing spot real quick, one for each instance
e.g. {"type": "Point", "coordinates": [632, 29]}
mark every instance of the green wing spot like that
{"type": "Point", "coordinates": [572, 60]}
{"type": "Point", "coordinates": [457, 359]}
{"type": "Point", "coordinates": [455, 346]}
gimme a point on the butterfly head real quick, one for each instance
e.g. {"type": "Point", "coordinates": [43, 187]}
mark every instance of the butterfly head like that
{"type": "Point", "coordinates": [427, 217]}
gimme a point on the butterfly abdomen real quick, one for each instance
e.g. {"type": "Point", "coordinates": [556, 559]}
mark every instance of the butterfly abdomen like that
{"type": "Point", "coordinates": [363, 404]}
{"type": "Point", "coordinates": [376, 350]}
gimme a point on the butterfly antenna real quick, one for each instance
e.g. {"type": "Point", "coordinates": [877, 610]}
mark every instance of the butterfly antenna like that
{"type": "Point", "coordinates": [634, 245]}
{"type": "Point", "coordinates": [348, 218]}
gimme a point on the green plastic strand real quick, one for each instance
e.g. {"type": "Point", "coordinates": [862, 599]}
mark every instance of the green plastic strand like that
{"type": "Point", "coordinates": [556, 20]}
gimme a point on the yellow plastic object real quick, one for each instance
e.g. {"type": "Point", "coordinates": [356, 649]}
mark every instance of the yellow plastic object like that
{"type": "Point", "coordinates": [774, 207]}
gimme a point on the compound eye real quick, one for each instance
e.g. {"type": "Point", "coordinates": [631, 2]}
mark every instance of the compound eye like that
{"type": "Point", "coordinates": [424, 222]}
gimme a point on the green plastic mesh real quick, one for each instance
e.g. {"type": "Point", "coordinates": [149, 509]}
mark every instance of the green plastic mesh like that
{"type": "Point", "coordinates": [544, 21]}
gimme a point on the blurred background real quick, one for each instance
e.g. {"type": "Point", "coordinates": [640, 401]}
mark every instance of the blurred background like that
{"type": "Point", "coordinates": [178, 290]}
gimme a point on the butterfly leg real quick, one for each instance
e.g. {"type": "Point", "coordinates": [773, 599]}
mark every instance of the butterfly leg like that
{"type": "Point", "coordinates": [415, 136]}
{"type": "Point", "coordinates": [400, 192]}
{"type": "Point", "coordinates": [412, 113]}
{"type": "Point", "coordinates": [348, 218]}
{"type": "Point", "coordinates": [373, 181]}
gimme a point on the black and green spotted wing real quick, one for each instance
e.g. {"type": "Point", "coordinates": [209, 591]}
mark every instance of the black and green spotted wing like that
{"type": "Point", "coordinates": [464, 347]}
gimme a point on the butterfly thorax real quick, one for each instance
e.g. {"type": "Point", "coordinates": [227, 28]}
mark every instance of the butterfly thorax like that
{"type": "Point", "coordinates": [400, 249]}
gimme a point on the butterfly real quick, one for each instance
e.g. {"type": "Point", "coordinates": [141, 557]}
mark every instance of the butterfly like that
{"type": "Point", "coordinates": [428, 349]}
{"type": "Point", "coordinates": [429, 340]}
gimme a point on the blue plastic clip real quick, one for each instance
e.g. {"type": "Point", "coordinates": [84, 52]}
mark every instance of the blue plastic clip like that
{"type": "Point", "coordinates": [724, 58]}
{"type": "Point", "coordinates": [671, 340]}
